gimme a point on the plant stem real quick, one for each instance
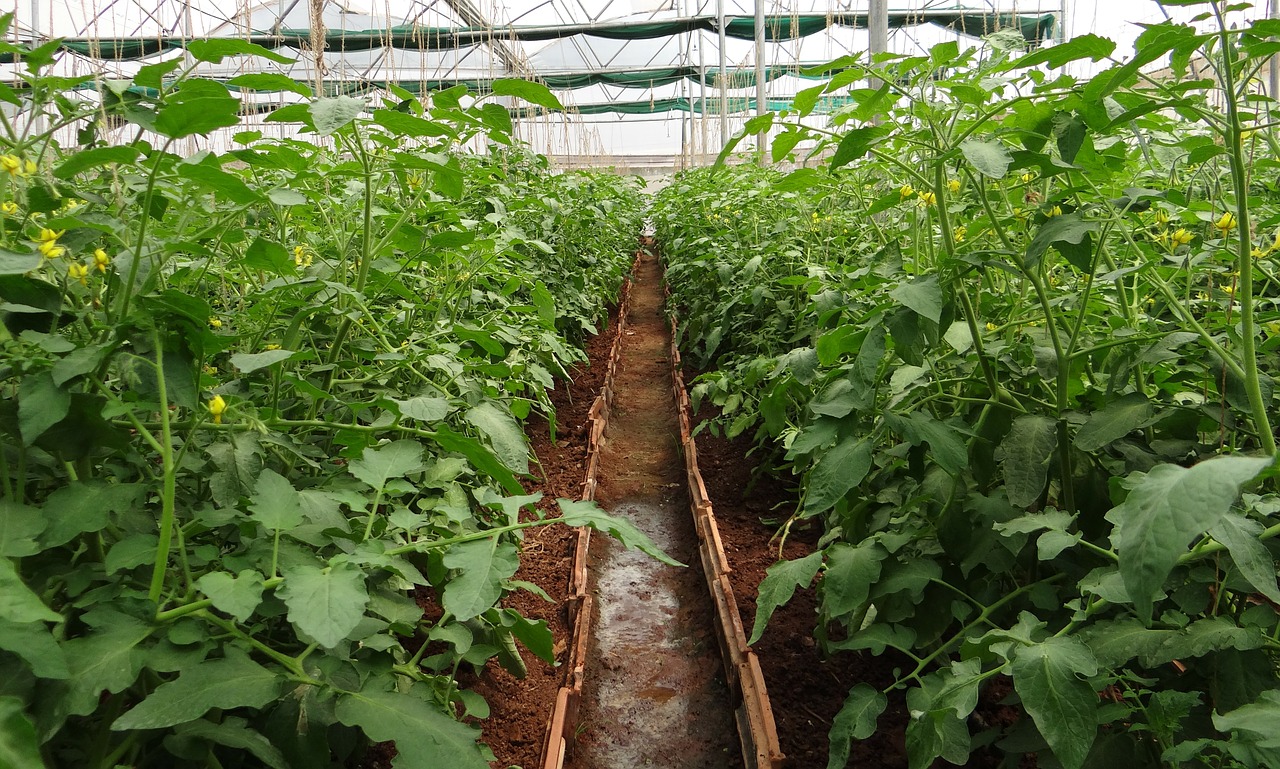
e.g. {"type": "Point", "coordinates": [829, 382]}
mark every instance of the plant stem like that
{"type": "Point", "coordinates": [170, 482]}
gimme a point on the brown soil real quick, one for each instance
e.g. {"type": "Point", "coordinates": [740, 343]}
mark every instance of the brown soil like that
{"type": "Point", "coordinates": [519, 707]}
{"type": "Point", "coordinates": [654, 693]}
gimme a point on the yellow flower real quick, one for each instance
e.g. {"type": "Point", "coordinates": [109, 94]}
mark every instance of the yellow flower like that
{"type": "Point", "coordinates": [815, 216]}
{"type": "Point", "coordinates": [271, 347]}
{"type": "Point", "coordinates": [991, 327]}
{"type": "Point", "coordinates": [302, 256]}
{"type": "Point", "coordinates": [1226, 221]}
{"type": "Point", "coordinates": [1258, 253]}
{"type": "Point", "coordinates": [49, 236]}
{"type": "Point", "coordinates": [72, 204]}
{"type": "Point", "coordinates": [11, 164]}
{"type": "Point", "coordinates": [78, 271]}
{"type": "Point", "coordinates": [1274, 328]}
{"type": "Point", "coordinates": [906, 191]}
{"type": "Point", "coordinates": [953, 185]}
{"type": "Point", "coordinates": [9, 207]}
{"type": "Point", "coordinates": [960, 233]}
{"type": "Point", "coordinates": [51, 249]}
{"type": "Point", "coordinates": [1053, 211]}
{"type": "Point", "coordinates": [928, 197]}
{"type": "Point", "coordinates": [101, 260]}
{"type": "Point", "coordinates": [1028, 177]}
{"type": "Point", "coordinates": [217, 406]}
{"type": "Point", "coordinates": [215, 323]}
{"type": "Point", "coordinates": [1162, 216]}
{"type": "Point", "coordinates": [414, 181]}
{"type": "Point", "coordinates": [1246, 134]}
{"type": "Point", "coordinates": [1181, 237]}
{"type": "Point", "coordinates": [29, 167]}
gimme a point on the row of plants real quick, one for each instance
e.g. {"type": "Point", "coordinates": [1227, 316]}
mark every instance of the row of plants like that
{"type": "Point", "coordinates": [1014, 336]}
{"type": "Point", "coordinates": [259, 407]}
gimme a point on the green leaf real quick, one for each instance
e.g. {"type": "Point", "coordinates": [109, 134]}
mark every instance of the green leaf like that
{"type": "Point", "coordinates": [19, 747]}
{"type": "Point", "coordinates": [779, 584]}
{"type": "Point", "coordinates": [35, 644]}
{"type": "Point", "coordinates": [534, 93]}
{"type": "Point", "coordinates": [235, 733]}
{"type": "Point", "coordinates": [101, 156]}
{"type": "Point", "coordinates": [1115, 642]}
{"type": "Point", "coordinates": [20, 525]}
{"type": "Point", "coordinates": [482, 567]}
{"type": "Point", "coordinates": [424, 409]}
{"type": "Point", "coordinates": [327, 603]}
{"type": "Point", "coordinates": [198, 107]}
{"type": "Point", "coordinates": [481, 458]}
{"type": "Point", "coordinates": [330, 114]}
{"type": "Point", "coordinates": [276, 504]}
{"type": "Point", "coordinates": [237, 596]}
{"type": "Point", "coordinates": [989, 157]}
{"type": "Point", "coordinates": [1024, 457]}
{"type": "Point", "coordinates": [376, 466]}
{"type": "Point", "coordinates": [18, 603]}
{"type": "Point", "coordinates": [269, 256]}
{"type": "Point", "coordinates": [1242, 536]}
{"type": "Point", "coordinates": [41, 405]}
{"type": "Point", "coordinates": [239, 461]}
{"type": "Point", "coordinates": [837, 470]}
{"type": "Point", "coordinates": [857, 143]}
{"type": "Point", "coordinates": [1119, 418]}
{"type": "Point", "coordinates": [234, 681]}
{"type": "Point", "coordinates": [847, 580]}
{"type": "Point", "coordinates": [1091, 47]}
{"type": "Point", "coordinates": [1257, 720]}
{"type": "Point", "coordinates": [1068, 233]}
{"type": "Point", "coordinates": [270, 81]}
{"type": "Point", "coordinates": [504, 435]}
{"type": "Point", "coordinates": [425, 738]}
{"type": "Point", "coordinates": [588, 513]}
{"type": "Point", "coordinates": [1164, 510]}
{"type": "Point", "coordinates": [249, 362]}
{"type": "Point", "coordinates": [1202, 637]}
{"type": "Point", "coordinates": [855, 721]}
{"type": "Point", "coordinates": [934, 733]}
{"type": "Point", "coordinates": [19, 264]}
{"type": "Point", "coordinates": [229, 186]}
{"type": "Point", "coordinates": [107, 659]}
{"type": "Point", "coordinates": [401, 124]}
{"type": "Point", "coordinates": [923, 295]}
{"type": "Point", "coordinates": [1048, 678]}
{"type": "Point", "coordinates": [214, 50]}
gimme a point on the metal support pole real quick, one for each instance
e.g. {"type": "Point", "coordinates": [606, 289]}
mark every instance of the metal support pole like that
{"type": "Point", "coordinates": [1062, 21]}
{"type": "Point", "coordinates": [1274, 79]}
{"type": "Point", "coordinates": [878, 30]}
{"type": "Point", "coordinates": [702, 85]}
{"type": "Point", "coordinates": [761, 105]}
{"type": "Point", "coordinates": [724, 86]}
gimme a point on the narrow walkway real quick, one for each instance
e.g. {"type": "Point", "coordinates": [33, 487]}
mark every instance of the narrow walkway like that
{"type": "Point", "coordinates": [654, 694]}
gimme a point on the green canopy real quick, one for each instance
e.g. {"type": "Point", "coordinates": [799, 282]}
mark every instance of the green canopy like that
{"type": "Point", "coordinates": [777, 27]}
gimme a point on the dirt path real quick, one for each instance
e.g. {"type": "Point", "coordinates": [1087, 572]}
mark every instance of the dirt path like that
{"type": "Point", "coordinates": [655, 693]}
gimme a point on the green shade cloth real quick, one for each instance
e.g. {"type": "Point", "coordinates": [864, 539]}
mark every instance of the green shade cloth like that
{"type": "Point", "coordinates": [737, 104]}
{"type": "Point", "coordinates": [777, 27]}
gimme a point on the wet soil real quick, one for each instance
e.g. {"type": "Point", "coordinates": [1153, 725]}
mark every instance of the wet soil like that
{"type": "Point", "coordinates": [521, 707]}
{"type": "Point", "coordinates": [655, 693]}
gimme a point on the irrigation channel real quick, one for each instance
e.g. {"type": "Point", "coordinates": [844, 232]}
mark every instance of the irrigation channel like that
{"type": "Point", "coordinates": [654, 690]}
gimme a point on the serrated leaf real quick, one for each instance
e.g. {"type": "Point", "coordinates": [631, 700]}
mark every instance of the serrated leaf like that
{"type": "Point", "coordinates": [276, 504]}
{"type": "Point", "coordinates": [19, 747]}
{"type": "Point", "coordinates": [588, 513]}
{"type": "Point", "coordinates": [41, 405]}
{"type": "Point", "coordinates": [923, 295]}
{"type": "Point", "coordinates": [534, 93]}
{"type": "Point", "coordinates": [1116, 420]}
{"type": "Point", "coordinates": [197, 107]}
{"type": "Point", "coordinates": [503, 434]}
{"type": "Point", "coordinates": [249, 362]}
{"type": "Point", "coordinates": [1048, 679]}
{"type": "Point", "coordinates": [779, 584]}
{"type": "Point", "coordinates": [424, 409]}
{"type": "Point", "coordinates": [234, 681]}
{"type": "Point", "coordinates": [1024, 458]}
{"type": "Point", "coordinates": [855, 721]}
{"type": "Point", "coordinates": [837, 470]}
{"type": "Point", "coordinates": [331, 113]}
{"type": "Point", "coordinates": [849, 575]}
{"type": "Point", "coordinates": [229, 186]}
{"type": "Point", "coordinates": [239, 462]}
{"type": "Point", "coordinates": [479, 455]}
{"type": "Point", "coordinates": [270, 81]}
{"type": "Point", "coordinates": [19, 264]}
{"type": "Point", "coordinates": [1258, 720]}
{"type": "Point", "coordinates": [214, 50]}
{"type": "Point", "coordinates": [235, 733]}
{"type": "Point", "coordinates": [237, 596]}
{"type": "Point", "coordinates": [482, 567]}
{"type": "Point", "coordinates": [425, 738]}
{"type": "Point", "coordinates": [20, 525]}
{"type": "Point", "coordinates": [1115, 642]}
{"type": "Point", "coordinates": [101, 156]}
{"type": "Point", "coordinates": [1202, 637]}
{"type": "Point", "coordinates": [327, 603]}
{"type": "Point", "coordinates": [376, 466]}
{"type": "Point", "coordinates": [401, 124]}
{"type": "Point", "coordinates": [18, 603]}
{"type": "Point", "coordinates": [991, 158]}
{"type": "Point", "coordinates": [1091, 47]}
{"type": "Point", "coordinates": [1068, 233]}
{"type": "Point", "coordinates": [857, 143]}
{"type": "Point", "coordinates": [1242, 537]}
{"type": "Point", "coordinates": [1164, 510]}
{"type": "Point", "coordinates": [33, 642]}
{"type": "Point", "coordinates": [108, 659]}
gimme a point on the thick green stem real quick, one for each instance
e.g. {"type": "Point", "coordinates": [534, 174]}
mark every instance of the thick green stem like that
{"type": "Point", "coordinates": [169, 488]}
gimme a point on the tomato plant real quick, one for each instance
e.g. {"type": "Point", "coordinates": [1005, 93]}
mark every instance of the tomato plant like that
{"type": "Point", "coordinates": [1017, 342]}
{"type": "Point", "coordinates": [254, 402]}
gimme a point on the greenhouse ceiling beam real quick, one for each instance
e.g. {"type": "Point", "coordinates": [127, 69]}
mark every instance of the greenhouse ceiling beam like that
{"type": "Point", "coordinates": [516, 63]}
